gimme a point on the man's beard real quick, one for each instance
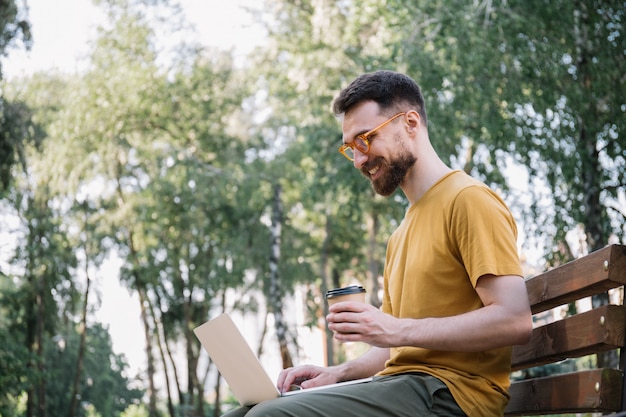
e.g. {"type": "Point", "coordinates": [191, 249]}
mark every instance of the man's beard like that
{"type": "Point", "coordinates": [395, 173]}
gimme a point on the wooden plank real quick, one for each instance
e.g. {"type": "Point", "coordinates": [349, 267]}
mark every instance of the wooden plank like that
{"type": "Point", "coordinates": [590, 332]}
{"type": "Point", "coordinates": [597, 390]}
{"type": "Point", "coordinates": [595, 273]}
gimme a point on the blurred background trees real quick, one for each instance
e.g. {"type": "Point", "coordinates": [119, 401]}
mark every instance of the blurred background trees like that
{"type": "Point", "coordinates": [218, 185]}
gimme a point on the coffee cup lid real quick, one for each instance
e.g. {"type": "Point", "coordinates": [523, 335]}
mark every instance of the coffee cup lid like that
{"type": "Point", "coordinates": [352, 289]}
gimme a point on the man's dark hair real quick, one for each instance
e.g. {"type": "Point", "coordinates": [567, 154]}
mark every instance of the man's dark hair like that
{"type": "Point", "coordinates": [391, 90]}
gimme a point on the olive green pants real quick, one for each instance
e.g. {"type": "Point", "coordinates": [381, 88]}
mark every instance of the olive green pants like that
{"type": "Point", "coordinates": [410, 395]}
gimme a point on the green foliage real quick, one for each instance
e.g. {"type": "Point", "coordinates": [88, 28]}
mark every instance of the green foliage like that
{"type": "Point", "coordinates": [16, 132]}
{"type": "Point", "coordinates": [13, 372]}
{"type": "Point", "coordinates": [135, 411]}
{"type": "Point", "coordinates": [103, 388]}
{"type": "Point", "coordinates": [547, 96]}
{"type": "Point", "coordinates": [14, 117]}
{"type": "Point", "coordinates": [103, 385]}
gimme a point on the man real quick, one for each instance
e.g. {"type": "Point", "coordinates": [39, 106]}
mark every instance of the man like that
{"type": "Point", "coordinates": [454, 300]}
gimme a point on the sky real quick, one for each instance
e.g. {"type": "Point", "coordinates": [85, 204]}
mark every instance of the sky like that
{"type": "Point", "coordinates": [61, 31]}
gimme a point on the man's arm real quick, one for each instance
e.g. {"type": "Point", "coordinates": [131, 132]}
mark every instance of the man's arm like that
{"type": "Point", "coordinates": [504, 320]}
{"type": "Point", "coordinates": [365, 366]}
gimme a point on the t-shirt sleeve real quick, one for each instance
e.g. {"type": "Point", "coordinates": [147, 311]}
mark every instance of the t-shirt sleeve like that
{"type": "Point", "coordinates": [485, 232]}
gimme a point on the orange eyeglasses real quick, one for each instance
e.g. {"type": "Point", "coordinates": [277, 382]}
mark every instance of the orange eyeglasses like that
{"type": "Point", "coordinates": [362, 141]}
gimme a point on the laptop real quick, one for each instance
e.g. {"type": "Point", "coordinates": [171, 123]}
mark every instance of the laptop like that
{"type": "Point", "coordinates": [238, 364]}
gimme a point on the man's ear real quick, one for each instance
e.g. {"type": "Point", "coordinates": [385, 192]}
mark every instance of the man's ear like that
{"type": "Point", "coordinates": [413, 121]}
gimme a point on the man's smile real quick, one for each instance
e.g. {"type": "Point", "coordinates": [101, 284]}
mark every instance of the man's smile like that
{"type": "Point", "coordinates": [372, 168]}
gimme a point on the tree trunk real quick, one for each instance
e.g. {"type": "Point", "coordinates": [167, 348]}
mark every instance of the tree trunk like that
{"type": "Point", "coordinates": [40, 298]}
{"type": "Point", "coordinates": [41, 385]}
{"type": "Point", "coordinates": [175, 371]}
{"type": "Point", "coordinates": [140, 287]}
{"type": "Point", "coordinates": [159, 336]}
{"type": "Point", "coordinates": [217, 410]}
{"type": "Point", "coordinates": [35, 312]}
{"type": "Point", "coordinates": [152, 394]}
{"type": "Point", "coordinates": [373, 264]}
{"type": "Point", "coordinates": [81, 346]}
{"type": "Point", "coordinates": [31, 337]}
{"type": "Point", "coordinates": [260, 349]}
{"type": "Point", "coordinates": [275, 293]}
{"type": "Point", "coordinates": [194, 387]}
{"type": "Point", "coordinates": [181, 397]}
{"type": "Point", "coordinates": [218, 401]}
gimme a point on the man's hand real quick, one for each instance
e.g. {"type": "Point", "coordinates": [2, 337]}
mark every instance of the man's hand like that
{"type": "Point", "coordinates": [309, 376]}
{"type": "Point", "coordinates": [359, 322]}
{"type": "Point", "coordinates": [306, 376]}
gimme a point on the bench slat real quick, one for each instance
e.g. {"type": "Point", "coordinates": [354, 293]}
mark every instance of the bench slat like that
{"type": "Point", "coordinates": [597, 390]}
{"type": "Point", "coordinates": [593, 274]}
{"type": "Point", "coordinates": [590, 332]}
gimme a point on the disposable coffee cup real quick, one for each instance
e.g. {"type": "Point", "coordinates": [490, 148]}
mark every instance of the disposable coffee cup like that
{"type": "Point", "coordinates": [351, 293]}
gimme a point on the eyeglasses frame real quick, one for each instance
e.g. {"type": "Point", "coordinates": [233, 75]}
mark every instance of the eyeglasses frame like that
{"type": "Point", "coordinates": [361, 142]}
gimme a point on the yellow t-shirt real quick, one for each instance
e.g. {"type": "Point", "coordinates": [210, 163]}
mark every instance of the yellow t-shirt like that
{"type": "Point", "coordinates": [457, 232]}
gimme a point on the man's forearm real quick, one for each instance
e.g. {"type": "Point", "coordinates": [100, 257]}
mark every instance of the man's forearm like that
{"type": "Point", "coordinates": [365, 366]}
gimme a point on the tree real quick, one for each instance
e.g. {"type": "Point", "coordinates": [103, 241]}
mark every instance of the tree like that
{"type": "Point", "coordinates": [168, 167]}
{"type": "Point", "coordinates": [14, 354]}
{"type": "Point", "coordinates": [102, 382]}
{"type": "Point", "coordinates": [13, 28]}
{"type": "Point", "coordinates": [311, 55]}
{"type": "Point", "coordinates": [48, 261]}
{"type": "Point", "coordinates": [548, 96]}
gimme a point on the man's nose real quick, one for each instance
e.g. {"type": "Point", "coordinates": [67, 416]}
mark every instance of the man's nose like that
{"type": "Point", "coordinates": [360, 158]}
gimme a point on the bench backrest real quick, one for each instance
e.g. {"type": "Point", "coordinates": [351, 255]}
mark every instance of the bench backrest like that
{"type": "Point", "coordinates": [598, 330]}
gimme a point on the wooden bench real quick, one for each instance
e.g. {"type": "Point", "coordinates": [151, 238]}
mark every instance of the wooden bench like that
{"type": "Point", "coordinates": [598, 390]}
